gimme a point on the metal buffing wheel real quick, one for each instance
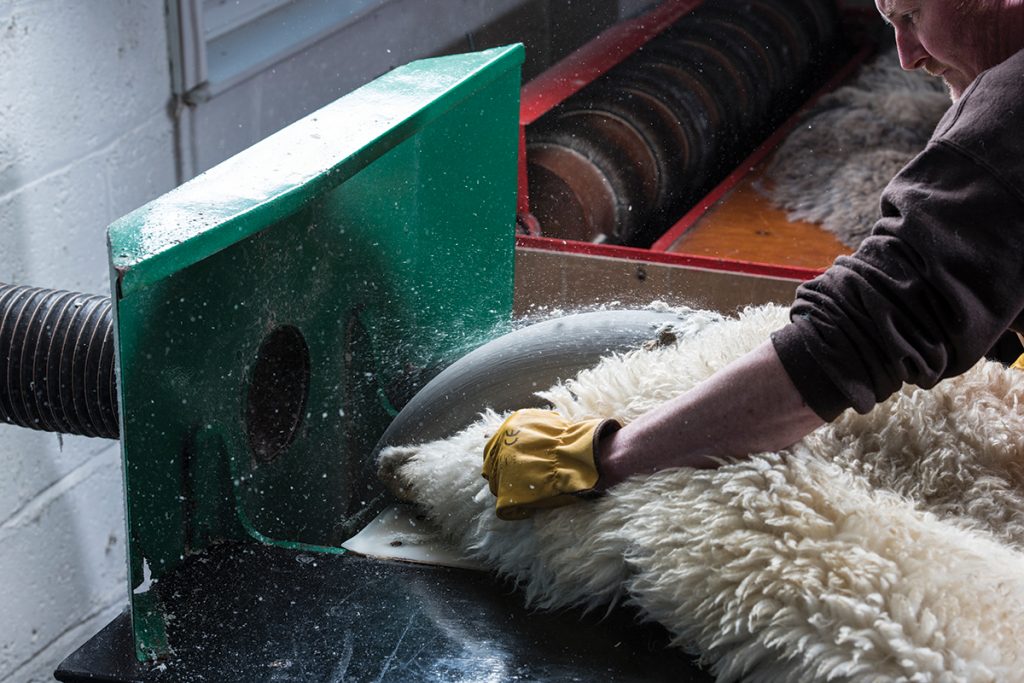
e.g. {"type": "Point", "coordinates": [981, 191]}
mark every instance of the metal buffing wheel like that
{"type": "Point", "coordinates": [585, 178]}
{"type": "Point", "coordinates": [506, 372]}
{"type": "Point", "coordinates": [796, 42]}
{"type": "Point", "coordinates": [730, 86]}
{"type": "Point", "coordinates": [694, 130]}
{"type": "Point", "coordinates": [607, 119]}
{"type": "Point", "coordinates": [662, 137]}
{"type": "Point", "coordinates": [776, 64]}
{"type": "Point", "coordinates": [739, 47]}
{"type": "Point", "coordinates": [820, 19]}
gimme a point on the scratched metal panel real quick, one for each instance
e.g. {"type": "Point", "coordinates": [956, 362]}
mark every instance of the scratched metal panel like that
{"type": "Point", "coordinates": [271, 614]}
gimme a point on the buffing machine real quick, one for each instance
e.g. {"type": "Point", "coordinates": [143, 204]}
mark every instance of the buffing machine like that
{"type": "Point", "coordinates": [270, 318]}
{"type": "Point", "coordinates": [267, 320]}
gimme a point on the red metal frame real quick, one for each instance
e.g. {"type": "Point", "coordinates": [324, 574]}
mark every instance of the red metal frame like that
{"type": "Point", "coordinates": [594, 59]}
{"type": "Point", "coordinates": [649, 256]}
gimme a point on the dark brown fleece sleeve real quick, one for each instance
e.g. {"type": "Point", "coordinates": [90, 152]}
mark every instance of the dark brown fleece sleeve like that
{"type": "Point", "coordinates": [939, 279]}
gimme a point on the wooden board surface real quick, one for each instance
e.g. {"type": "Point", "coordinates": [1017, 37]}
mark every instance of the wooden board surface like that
{"type": "Point", "coordinates": [745, 226]}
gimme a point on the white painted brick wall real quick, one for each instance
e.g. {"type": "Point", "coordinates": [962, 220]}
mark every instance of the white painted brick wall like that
{"type": "Point", "coordinates": [85, 137]}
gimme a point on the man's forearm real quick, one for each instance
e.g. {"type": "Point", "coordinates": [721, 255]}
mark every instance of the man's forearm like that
{"type": "Point", "coordinates": [748, 407]}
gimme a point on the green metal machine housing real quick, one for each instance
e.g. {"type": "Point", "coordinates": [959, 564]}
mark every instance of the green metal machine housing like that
{"type": "Point", "coordinates": [271, 312]}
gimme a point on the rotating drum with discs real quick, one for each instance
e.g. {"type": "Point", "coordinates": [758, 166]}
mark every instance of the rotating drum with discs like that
{"type": "Point", "coordinates": [625, 157]}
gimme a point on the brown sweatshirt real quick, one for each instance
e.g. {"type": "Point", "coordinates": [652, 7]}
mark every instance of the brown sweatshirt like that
{"type": "Point", "coordinates": [941, 276]}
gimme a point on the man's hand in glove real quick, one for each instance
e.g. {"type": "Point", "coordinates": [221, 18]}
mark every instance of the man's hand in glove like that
{"type": "Point", "coordinates": [540, 460]}
{"type": "Point", "coordinates": [537, 459]}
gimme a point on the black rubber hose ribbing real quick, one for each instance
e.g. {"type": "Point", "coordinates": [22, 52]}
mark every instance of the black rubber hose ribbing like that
{"type": "Point", "coordinates": [57, 361]}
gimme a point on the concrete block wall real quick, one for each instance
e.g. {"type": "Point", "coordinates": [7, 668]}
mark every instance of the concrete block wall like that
{"type": "Point", "coordinates": [85, 137]}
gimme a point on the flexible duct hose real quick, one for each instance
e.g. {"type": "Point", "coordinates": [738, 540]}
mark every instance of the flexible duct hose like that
{"type": "Point", "coordinates": [57, 361]}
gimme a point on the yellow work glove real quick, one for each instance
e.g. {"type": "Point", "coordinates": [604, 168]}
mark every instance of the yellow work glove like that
{"type": "Point", "coordinates": [537, 459]}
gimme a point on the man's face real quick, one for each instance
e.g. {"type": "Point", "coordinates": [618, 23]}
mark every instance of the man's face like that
{"type": "Point", "coordinates": [944, 37]}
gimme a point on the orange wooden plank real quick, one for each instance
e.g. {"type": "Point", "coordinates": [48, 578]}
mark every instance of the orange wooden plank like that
{"type": "Point", "coordinates": [744, 225]}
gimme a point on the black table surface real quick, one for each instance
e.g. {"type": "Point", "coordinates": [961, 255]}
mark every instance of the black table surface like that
{"type": "Point", "coordinates": [260, 613]}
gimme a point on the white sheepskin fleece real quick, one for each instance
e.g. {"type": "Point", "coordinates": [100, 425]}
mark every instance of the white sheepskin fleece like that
{"type": "Point", "coordinates": [835, 164]}
{"type": "Point", "coordinates": [882, 547]}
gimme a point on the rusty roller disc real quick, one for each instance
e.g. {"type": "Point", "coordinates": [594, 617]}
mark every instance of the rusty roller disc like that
{"type": "Point", "coordinates": [716, 143]}
{"type": "Point", "coordinates": [696, 115]}
{"type": "Point", "coordinates": [569, 195]}
{"type": "Point", "coordinates": [732, 28]}
{"type": "Point", "coordinates": [739, 47]}
{"type": "Point", "coordinates": [718, 43]}
{"type": "Point", "coordinates": [728, 83]}
{"type": "Point", "coordinates": [664, 138]}
{"type": "Point", "coordinates": [673, 142]}
{"type": "Point", "coordinates": [691, 118]}
{"type": "Point", "coordinates": [804, 14]}
{"type": "Point", "coordinates": [700, 62]}
{"type": "Point", "coordinates": [777, 34]}
{"type": "Point", "coordinates": [688, 161]}
{"type": "Point", "coordinates": [751, 91]}
{"type": "Point", "coordinates": [606, 118]}
{"type": "Point", "coordinates": [803, 30]}
{"type": "Point", "coordinates": [738, 12]}
{"type": "Point", "coordinates": [597, 169]}
{"type": "Point", "coordinates": [795, 40]}
{"type": "Point", "coordinates": [697, 108]}
{"type": "Point", "coordinates": [688, 76]}
{"type": "Point", "coordinates": [761, 43]}
{"type": "Point", "coordinates": [820, 19]}
{"type": "Point", "coordinates": [774, 40]}
{"type": "Point", "coordinates": [826, 14]}
{"type": "Point", "coordinates": [718, 85]}
{"type": "Point", "coordinates": [622, 120]}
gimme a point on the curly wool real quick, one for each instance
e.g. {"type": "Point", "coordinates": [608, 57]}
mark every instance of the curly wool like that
{"type": "Point", "coordinates": [832, 169]}
{"type": "Point", "coordinates": [882, 547]}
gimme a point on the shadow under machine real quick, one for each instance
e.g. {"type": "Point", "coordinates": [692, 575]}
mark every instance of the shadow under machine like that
{"type": "Point", "coordinates": [270, 318]}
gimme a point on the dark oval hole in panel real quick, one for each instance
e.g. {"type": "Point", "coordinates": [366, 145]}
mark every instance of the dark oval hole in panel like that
{"type": "Point", "coordinates": [278, 388]}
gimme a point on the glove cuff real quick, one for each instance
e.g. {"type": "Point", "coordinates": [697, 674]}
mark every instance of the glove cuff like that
{"type": "Point", "coordinates": [603, 429]}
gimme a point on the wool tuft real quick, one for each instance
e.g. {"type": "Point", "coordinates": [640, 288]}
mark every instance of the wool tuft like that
{"type": "Point", "coordinates": [833, 167]}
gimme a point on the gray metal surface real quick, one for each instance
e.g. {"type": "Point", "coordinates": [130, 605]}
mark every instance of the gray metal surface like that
{"type": "Point", "coordinates": [244, 613]}
{"type": "Point", "coordinates": [505, 373]}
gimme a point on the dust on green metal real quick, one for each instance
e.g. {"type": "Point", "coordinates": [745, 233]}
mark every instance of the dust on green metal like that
{"type": "Point", "coordinates": [265, 309]}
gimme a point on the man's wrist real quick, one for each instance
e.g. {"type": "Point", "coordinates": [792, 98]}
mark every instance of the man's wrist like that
{"type": "Point", "coordinates": [608, 457]}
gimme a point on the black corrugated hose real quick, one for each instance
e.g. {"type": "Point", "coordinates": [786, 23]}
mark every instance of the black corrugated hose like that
{"type": "Point", "coordinates": [57, 361]}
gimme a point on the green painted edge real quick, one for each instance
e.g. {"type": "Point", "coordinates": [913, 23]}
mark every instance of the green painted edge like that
{"type": "Point", "coordinates": [187, 224]}
{"type": "Point", "coordinates": [148, 624]}
{"type": "Point", "coordinates": [262, 538]}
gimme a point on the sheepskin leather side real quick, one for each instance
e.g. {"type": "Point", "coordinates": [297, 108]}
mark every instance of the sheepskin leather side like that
{"type": "Point", "coordinates": [833, 167]}
{"type": "Point", "coordinates": [882, 547]}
